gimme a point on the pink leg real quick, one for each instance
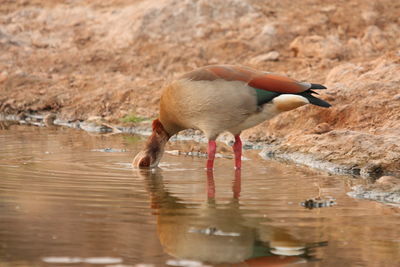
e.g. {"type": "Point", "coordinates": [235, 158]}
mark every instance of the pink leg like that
{"type": "Point", "coordinates": [236, 188]}
{"type": "Point", "coordinates": [210, 185]}
{"type": "Point", "coordinates": [237, 149]}
{"type": "Point", "coordinates": [212, 147]}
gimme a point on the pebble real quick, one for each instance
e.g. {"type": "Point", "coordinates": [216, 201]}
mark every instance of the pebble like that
{"type": "Point", "coordinates": [388, 180]}
{"type": "Point", "coordinates": [49, 119]}
{"type": "Point", "coordinates": [322, 128]}
{"type": "Point", "coordinates": [3, 76]}
{"type": "Point", "coordinates": [270, 56]}
{"type": "Point", "coordinates": [371, 170]}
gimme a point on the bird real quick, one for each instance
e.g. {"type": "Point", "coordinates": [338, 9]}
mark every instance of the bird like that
{"type": "Point", "coordinates": [223, 98]}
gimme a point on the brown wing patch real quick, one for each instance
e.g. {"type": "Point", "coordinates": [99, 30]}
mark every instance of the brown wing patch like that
{"type": "Point", "coordinates": [276, 83]}
{"type": "Point", "coordinates": [231, 73]}
{"type": "Point", "coordinates": [254, 78]}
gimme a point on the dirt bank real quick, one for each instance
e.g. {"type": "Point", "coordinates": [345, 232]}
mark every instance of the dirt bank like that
{"type": "Point", "coordinates": [110, 59]}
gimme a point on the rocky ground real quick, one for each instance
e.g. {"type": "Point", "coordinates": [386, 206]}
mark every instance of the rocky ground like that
{"type": "Point", "coordinates": [110, 59]}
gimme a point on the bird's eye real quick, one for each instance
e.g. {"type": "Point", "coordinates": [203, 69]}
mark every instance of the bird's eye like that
{"type": "Point", "coordinates": [144, 162]}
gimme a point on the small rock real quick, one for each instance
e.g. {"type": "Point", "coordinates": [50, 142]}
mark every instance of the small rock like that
{"type": "Point", "coordinates": [267, 36]}
{"type": "Point", "coordinates": [49, 119]}
{"type": "Point", "coordinates": [173, 152]}
{"type": "Point", "coordinates": [318, 203]}
{"type": "Point", "coordinates": [374, 39]}
{"type": "Point", "coordinates": [94, 119]}
{"type": "Point", "coordinates": [3, 76]}
{"type": "Point", "coordinates": [269, 29]}
{"type": "Point", "coordinates": [94, 127]}
{"type": "Point", "coordinates": [388, 180]}
{"type": "Point", "coordinates": [370, 17]}
{"type": "Point", "coordinates": [328, 9]}
{"type": "Point", "coordinates": [322, 128]}
{"type": "Point", "coordinates": [371, 170]}
{"type": "Point", "coordinates": [318, 46]}
{"type": "Point", "coordinates": [396, 97]}
{"type": "Point", "coordinates": [270, 56]}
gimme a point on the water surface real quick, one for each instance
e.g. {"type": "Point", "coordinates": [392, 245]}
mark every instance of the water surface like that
{"type": "Point", "coordinates": [69, 198]}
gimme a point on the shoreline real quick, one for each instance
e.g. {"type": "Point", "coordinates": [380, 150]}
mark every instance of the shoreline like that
{"type": "Point", "coordinates": [387, 192]}
{"type": "Point", "coordinates": [267, 150]}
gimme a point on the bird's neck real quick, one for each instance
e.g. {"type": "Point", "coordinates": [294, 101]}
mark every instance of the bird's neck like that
{"type": "Point", "coordinates": [156, 142]}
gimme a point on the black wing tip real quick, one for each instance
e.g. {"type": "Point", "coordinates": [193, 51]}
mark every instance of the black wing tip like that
{"type": "Point", "coordinates": [317, 86]}
{"type": "Point", "coordinates": [324, 104]}
{"type": "Point", "coordinates": [315, 100]}
{"type": "Point", "coordinates": [319, 102]}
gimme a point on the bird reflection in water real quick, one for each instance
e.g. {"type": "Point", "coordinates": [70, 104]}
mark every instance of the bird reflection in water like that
{"type": "Point", "coordinates": [220, 234]}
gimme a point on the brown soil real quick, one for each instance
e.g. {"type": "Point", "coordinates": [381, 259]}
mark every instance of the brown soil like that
{"type": "Point", "coordinates": [111, 58]}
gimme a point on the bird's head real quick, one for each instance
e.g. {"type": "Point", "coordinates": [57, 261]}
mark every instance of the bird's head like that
{"type": "Point", "coordinates": [151, 155]}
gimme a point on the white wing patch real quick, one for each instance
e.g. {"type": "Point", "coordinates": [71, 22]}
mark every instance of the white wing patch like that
{"type": "Point", "coordinates": [288, 102]}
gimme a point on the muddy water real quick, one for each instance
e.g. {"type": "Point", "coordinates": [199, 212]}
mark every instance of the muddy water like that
{"type": "Point", "coordinates": [68, 198]}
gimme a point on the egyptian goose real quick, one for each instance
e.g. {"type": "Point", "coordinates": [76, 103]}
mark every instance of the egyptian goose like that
{"type": "Point", "coordinates": [220, 98]}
